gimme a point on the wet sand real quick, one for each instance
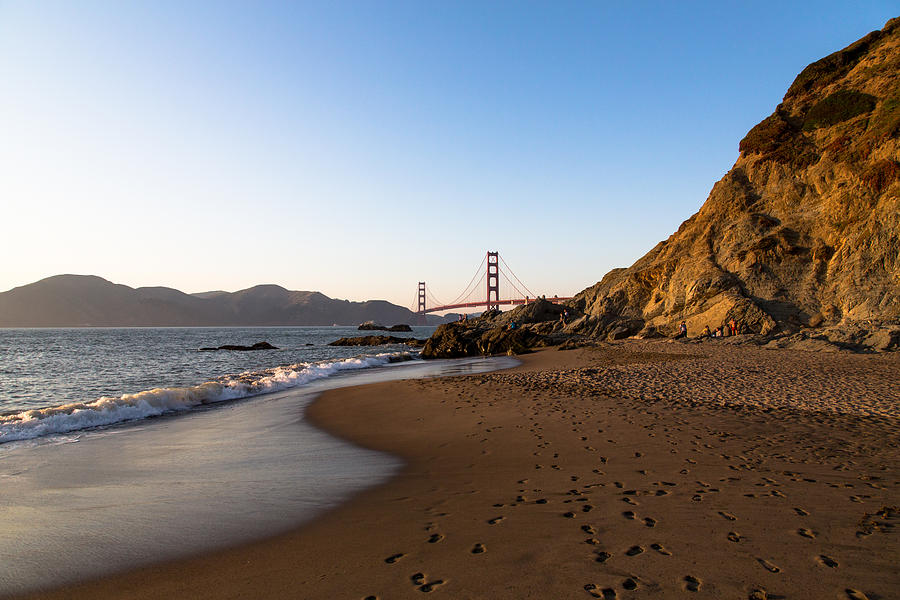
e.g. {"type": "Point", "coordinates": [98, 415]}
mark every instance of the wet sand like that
{"type": "Point", "coordinates": [641, 469]}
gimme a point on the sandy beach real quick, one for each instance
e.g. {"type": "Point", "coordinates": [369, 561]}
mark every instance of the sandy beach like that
{"type": "Point", "coordinates": [636, 469]}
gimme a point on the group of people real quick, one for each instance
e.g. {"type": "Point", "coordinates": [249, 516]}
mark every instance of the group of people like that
{"type": "Point", "coordinates": [730, 328]}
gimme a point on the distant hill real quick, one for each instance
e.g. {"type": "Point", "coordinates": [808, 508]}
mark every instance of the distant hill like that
{"type": "Point", "coordinates": [91, 301]}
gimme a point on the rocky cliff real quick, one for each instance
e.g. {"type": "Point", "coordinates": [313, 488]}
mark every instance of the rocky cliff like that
{"type": "Point", "coordinates": [801, 233]}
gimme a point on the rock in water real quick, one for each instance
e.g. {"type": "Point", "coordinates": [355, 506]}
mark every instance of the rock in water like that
{"type": "Point", "coordinates": [372, 326]}
{"type": "Point", "coordinates": [256, 346]}
{"type": "Point", "coordinates": [804, 231]}
{"type": "Point", "coordinates": [376, 340]}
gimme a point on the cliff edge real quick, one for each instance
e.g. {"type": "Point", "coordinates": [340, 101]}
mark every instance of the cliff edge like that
{"type": "Point", "coordinates": [802, 233]}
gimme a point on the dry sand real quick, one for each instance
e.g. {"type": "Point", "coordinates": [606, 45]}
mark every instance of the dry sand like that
{"type": "Point", "coordinates": [644, 469]}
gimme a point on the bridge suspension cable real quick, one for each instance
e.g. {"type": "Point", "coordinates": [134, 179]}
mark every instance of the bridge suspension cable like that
{"type": "Point", "coordinates": [530, 293]}
{"type": "Point", "coordinates": [432, 298]}
{"type": "Point", "coordinates": [492, 270]}
{"type": "Point", "coordinates": [513, 285]}
{"type": "Point", "coordinates": [466, 291]}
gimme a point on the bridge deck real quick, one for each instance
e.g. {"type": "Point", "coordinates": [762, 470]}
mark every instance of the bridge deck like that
{"type": "Point", "coordinates": [508, 302]}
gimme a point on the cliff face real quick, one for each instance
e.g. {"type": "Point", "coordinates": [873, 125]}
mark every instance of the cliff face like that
{"type": "Point", "coordinates": [802, 232]}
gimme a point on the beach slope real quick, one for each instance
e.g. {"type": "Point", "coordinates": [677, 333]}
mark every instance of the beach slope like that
{"type": "Point", "coordinates": [635, 469]}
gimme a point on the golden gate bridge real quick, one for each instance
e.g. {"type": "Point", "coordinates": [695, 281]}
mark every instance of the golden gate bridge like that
{"type": "Point", "coordinates": [491, 270]}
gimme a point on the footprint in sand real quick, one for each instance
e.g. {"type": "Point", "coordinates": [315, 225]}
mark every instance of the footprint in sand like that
{"type": "Point", "coordinates": [478, 549]}
{"type": "Point", "coordinates": [630, 584]}
{"type": "Point", "coordinates": [418, 578]}
{"type": "Point", "coordinates": [828, 561]}
{"type": "Point", "coordinates": [435, 538]}
{"type": "Point", "coordinates": [758, 594]}
{"type": "Point", "coordinates": [855, 594]}
{"type": "Point", "coordinates": [605, 593]}
{"type": "Point", "coordinates": [393, 558]}
{"type": "Point", "coordinates": [588, 529]}
{"type": "Point", "coordinates": [602, 556]}
{"type": "Point", "coordinates": [371, 598]}
{"type": "Point", "coordinates": [728, 516]}
{"type": "Point", "coordinates": [628, 500]}
{"type": "Point", "coordinates": [691, 583]}
{"type": "Point", "coordinates": [634, 551]}
{"type": "Point", "coordinates": [734, 536]}
{"type": "Point", "coordinates": [429, 587]}
{"type": "Point", "coordinates": [801, 512]}
{"type": "Point", "coordinates": [661, 549]}
{"type": "Point", "coordinates": [768, 566]}
{"type": "Point", "coordinates": [649, 522]}
{"type": "Point", "coordinates": [807, 533]}
{"type": "Point", "coordinates": [495, 520]}
{"type": "Point", "coordinates": [629, 515]}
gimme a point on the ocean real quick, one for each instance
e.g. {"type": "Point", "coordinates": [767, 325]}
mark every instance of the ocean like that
{"type": "Point", "coordinates": [62, 380]}
{"type": "Point", "coordinates": [126, 446]}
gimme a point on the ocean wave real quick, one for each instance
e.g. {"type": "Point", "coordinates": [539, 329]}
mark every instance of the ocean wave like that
{"type": "Point", "coordinates": [35, 423]}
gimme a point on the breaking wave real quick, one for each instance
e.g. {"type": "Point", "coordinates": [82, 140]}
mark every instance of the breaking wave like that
{"type": "Point", "coordinates": [66, 418]}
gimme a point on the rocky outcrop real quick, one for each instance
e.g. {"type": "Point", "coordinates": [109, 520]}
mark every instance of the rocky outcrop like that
{"type": "Point", "coordinates": [482, 337]}
{"type": "Point", "coordinates": [801, 233]}
{"type": "Point", "coordinates": [451, 340]}
{"type": "Point", "coordinates": [376, 340]}
{"type": "Point", "coordinates": [256, 346]}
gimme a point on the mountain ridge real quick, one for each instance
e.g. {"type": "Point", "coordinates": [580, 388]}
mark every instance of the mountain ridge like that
{"type": "Point", "coordinates": [70, 300]}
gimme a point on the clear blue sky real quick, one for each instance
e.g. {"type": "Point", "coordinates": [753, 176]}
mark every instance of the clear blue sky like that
{"type": "Point", "coordinates": [357, 148]}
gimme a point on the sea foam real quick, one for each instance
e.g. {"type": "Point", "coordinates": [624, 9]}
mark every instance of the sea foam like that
{"type": "Point", "coordinates": [75, 416]}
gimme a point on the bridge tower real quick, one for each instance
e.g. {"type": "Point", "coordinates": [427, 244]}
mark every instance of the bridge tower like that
{"type": "Point", "coordinates": [493, 281]}
{"type": "Point", "coordinates": [421, 311]}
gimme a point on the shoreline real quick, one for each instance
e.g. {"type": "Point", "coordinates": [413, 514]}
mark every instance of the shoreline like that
{"type": "Point", "coordinates": [586, 472]}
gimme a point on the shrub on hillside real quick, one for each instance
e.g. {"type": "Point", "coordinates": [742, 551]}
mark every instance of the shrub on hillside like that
{"type": "Point", "coordinates": [778, 139]}
{"type": "Point", "coordinates": [838, 107]}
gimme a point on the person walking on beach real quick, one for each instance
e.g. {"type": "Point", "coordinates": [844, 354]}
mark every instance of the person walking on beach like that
{"type": "Point", "coordinates": [732, 326]}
